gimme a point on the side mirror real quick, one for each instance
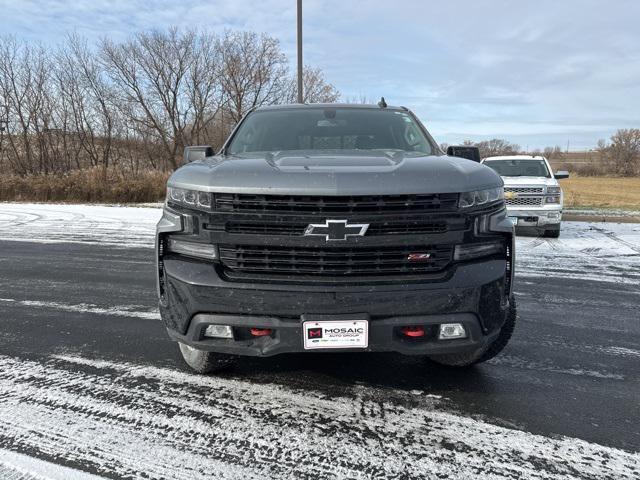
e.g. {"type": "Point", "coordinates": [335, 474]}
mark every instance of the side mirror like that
{"type": "Point", "coordinates": [561, 174]}
{"type": "Point", "coordinates": [470, 153]}
{"type": "Point", "coordinates": [197, 152]}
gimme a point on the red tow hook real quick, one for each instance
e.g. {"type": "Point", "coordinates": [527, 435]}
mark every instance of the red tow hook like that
{"type": "Point", "coordinates": [413, 331]}
{"type": "Point", "coordinates": [261, 332]}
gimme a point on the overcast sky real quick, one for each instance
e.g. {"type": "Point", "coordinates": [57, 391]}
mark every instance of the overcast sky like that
{"type": "Point", "coordinates": [534, 72]}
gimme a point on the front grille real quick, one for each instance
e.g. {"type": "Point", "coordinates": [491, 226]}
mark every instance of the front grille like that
{"type": "Point", "coordinates": [524, 201]}
{"type": "Point", "coordinates": [233, 202]}
{"type": "Point", "coordinates": [375, 229]}
{"type": "Point", "coordinates": [524, 190]}
{"type": "Point", "coordinates": [333, 261]}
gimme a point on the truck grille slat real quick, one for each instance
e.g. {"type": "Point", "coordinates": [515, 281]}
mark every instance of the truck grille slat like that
{"type": "Point", "coordinates": [524, 201]}
{"type": "Point", "coordinates": [525, 190]}
{"type": "Point", "coordinates": [297, 229]}
{"type": "Point", "coordinates": [332, 261]}
{"type": "Point", "coordinates": [233, 202]}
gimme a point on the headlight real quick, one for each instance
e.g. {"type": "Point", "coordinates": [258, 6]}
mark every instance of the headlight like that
{"type": "Point", "coordinates": [552, 199]}
{"type": "Point", "coordinates": [480, 197]}
{"type": "Point", "coordinates": [190, 198]}
{"type": "Point", "coordinates": [553, 190]}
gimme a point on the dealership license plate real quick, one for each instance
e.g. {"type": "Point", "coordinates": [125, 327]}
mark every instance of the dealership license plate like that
{"type": "Point", "coordinates": [336, 334]}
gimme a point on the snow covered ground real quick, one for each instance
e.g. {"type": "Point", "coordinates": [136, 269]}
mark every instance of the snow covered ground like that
{"type": "Point", "coordinates": [15, 466]}
{"type": "Point", "coordinates": [608, 252]}
{"type": "Point", "coordinates": [58, 223]}
{"type": "Point", "coordinates": [124, 420]}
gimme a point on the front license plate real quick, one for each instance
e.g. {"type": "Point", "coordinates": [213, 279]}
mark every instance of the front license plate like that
{"type": "Point", "coordinates": [336, 334]}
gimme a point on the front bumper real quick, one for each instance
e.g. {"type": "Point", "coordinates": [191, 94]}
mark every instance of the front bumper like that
{"type": "Point", "coordinates": [549, 215]}
{"type": "Point", "coordinates": [473, 295]}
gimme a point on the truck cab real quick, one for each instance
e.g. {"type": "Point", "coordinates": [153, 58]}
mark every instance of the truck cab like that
{"type": "Point", "coordinates": [532, 192]}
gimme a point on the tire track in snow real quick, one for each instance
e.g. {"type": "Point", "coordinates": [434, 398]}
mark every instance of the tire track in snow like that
{"type": "Point", "coordinates": [129, 420]}
{"type": "Point", "coordinates": [54, 223]}
{"type": "Point", "coordinates": [615, 238]}
{"type": "Point", "coordinates": [514, 361]}
{"type": "Point", "coordinates": [119, 310]}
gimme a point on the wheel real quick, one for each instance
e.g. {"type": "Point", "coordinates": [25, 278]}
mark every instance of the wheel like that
{"type": "Point", "coordinates": [205, 362]}
{"type": "Point", "coordinates": [486, 353]}
{"type": "Point", "coordinates": [552, 233]}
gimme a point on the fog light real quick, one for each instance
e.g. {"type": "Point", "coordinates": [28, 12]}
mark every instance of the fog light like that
{"type": "Point", "coordinates": [450, 331]}
{"type": "Point", "coordinates": [218, 331]}
{"type": "Point", "coordinates": [470, 251]}
{"type": "Point", "coordinates": [554, 216]}
{"type": "Point", "coordinates": [192, 249]}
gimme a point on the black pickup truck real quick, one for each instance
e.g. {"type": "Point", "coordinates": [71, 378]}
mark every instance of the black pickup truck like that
{"type": "Point", "coordinates": [331, 228]}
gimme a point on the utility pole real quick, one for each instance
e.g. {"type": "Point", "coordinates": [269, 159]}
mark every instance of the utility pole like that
{"type": "Point", "coordinates": [300, 96]}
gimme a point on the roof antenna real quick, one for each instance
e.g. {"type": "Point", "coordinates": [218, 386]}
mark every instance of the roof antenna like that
{"type": "Point", "coordinates": [382, 103]}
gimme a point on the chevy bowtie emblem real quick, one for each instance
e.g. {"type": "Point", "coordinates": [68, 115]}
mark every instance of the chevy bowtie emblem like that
{"type": "Point", "coordinates": [510, 195]}
{"type": "Point", "coordinates": [333, 230]}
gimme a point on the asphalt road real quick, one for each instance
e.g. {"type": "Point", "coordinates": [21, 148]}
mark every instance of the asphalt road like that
{"type": "Point", "coordinates": [90, 380]}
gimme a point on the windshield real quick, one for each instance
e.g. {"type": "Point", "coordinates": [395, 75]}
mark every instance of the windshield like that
{"type": "Point", "coordinates": [321, 129]}
{"type": "Point", "coordinates": [519, 168]}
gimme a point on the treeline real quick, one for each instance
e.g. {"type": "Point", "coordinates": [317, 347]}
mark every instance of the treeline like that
{"type": "Point", "coordinates": [131, 106]}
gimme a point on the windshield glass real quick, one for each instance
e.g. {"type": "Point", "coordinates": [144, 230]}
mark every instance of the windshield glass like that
{"type": "Point", "coordinates": [321, 129]}
{"type": "Point", "coordinates": [519, 168]}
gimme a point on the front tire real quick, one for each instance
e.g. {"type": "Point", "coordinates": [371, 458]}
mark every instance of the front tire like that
{"type": "Point", "coordinates": [552, 233]}
{"type": "Point", "coordinates": [205, 362]}
{"type": "Point", "coordinates": [486, 353]}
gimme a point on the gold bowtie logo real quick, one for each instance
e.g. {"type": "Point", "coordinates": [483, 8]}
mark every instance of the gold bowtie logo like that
{"type": "Point", "coordinates": [510, 195]}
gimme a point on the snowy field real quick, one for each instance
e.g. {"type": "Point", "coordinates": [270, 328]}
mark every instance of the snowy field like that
{"type": "Point", "coordinates": [607, 252]}
{"type": "Point", "coordinates": [165, 417]}
{"type": "Point", "coordinates": [128, 419]}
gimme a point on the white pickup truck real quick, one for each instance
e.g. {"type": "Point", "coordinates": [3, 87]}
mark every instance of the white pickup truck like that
{"type": "Point", "coordinates": [532, 192]}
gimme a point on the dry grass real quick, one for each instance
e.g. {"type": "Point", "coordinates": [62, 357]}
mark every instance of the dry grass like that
{"type": "Point", "coordinates": [602, 192]}
{"type": "Point", "coordinates": [85, 186]}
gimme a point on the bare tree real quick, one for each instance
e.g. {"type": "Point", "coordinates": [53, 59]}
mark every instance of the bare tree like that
{"type": "Point", "coordinates": [136, 103]}
{"type": "Point", "coordinates": [254, 72]}
{"type": "Point", "coordinates": [89, 95]}
{"type": "Point", "coordinates": [165, 86]}
{"type": "Point", "coordinates": [553, 153]}
{"type": "Point", "coordinates": [25, 92]}
{"type": "Point", "coordinates": [622, 155]}
{"type": "Point", "coordinates": [493, 147]}
{"type": "Point", "coordinates": [315, 88]}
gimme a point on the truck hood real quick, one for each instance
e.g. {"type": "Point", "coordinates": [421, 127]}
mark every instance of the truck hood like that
{"type": "Point", "coordinates": [529, 181]}
{"type": "Point", "coordinates": [344, 173]}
